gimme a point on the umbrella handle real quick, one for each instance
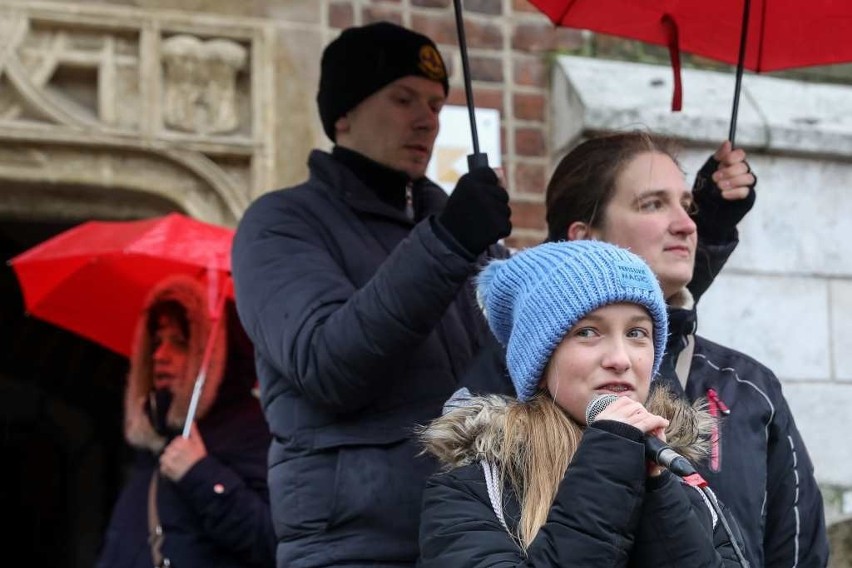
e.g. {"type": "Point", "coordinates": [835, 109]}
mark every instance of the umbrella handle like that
{"type": "Point", "coordinates": [477, 159]}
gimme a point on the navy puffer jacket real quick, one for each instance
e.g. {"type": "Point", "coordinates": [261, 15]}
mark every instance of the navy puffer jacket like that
{"type": "Point", "coordinates": [363, 321]}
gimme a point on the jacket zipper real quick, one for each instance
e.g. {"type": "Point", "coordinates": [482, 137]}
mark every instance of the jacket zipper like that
{"type": "Point", "coordinates": [409, 201]}
{"type": "Point", "coordinates": [717, 407]}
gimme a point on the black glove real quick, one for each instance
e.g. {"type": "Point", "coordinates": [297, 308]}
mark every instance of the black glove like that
{"type": "Point", "coordinates": [717, 218]}
{"type": "Point", "coordinates": [477, 213]}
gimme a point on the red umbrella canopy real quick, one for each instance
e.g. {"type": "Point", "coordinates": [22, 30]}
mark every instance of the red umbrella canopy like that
{"type": "Point", "coordinates": [782, 34]}
{"type": "Point", "coordinates": [94, 279]}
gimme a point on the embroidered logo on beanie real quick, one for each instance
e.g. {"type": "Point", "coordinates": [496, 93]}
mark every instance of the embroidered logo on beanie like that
{"type": "Point", "coordinates": [632, 275]}
{"type": "Point", "coordinates": [431, 64]}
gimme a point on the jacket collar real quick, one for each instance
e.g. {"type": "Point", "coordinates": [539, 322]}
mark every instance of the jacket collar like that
{"type": "Point", "coordinates": [683, 319]}
{"type": "Point", "coordinates": [471, 427]}
{"type": "Point", "coordinates": [387, 184]}
{"type": "Point", "coordinates": [340, 180]}
{"type": "Point", "coordinates": [682, 322]}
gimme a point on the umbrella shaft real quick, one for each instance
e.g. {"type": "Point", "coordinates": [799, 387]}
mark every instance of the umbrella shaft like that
{"type": "Point", "coordinates": [205, 361]}
{"type": "Point", "coordinates": [468, 89]}
{"type": "Point", "coordinates": [740, 64]}
{"type": "Point", "coordinates": [193, 403]}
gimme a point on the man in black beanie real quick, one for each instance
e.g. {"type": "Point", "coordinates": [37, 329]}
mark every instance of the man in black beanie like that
{"type": "Point", "coordinates": [354, 289]}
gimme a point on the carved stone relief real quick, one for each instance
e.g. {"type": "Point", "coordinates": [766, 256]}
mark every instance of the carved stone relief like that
{"type": "Point", "coordinates": [131, 81]}
{"type": "Point", "coordinates": [68, 75]}
{"type": "Point", "coordinates": [200, 87]}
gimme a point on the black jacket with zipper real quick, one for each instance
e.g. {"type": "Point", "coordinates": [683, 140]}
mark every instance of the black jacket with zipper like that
{"type": "Point", "coordinates": [759, 465]}
{"type": "Point", "coordinates": [606, 511]}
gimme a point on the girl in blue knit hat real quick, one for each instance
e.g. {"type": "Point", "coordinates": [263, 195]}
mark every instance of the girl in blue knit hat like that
{"type": "Point", "coordinates": [528, 480]}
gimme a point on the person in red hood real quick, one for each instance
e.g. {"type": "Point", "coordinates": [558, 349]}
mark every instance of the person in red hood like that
{"type": "Point", "coordinates": [200, 500]}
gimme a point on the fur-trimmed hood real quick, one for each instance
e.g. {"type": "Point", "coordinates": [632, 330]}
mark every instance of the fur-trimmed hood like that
{"type": "Point", "coordinates": [681, 299]}
{"type": "Point", "coordinates": [471, 428]}
{"type": "Point", "coordinates": [193, 297]}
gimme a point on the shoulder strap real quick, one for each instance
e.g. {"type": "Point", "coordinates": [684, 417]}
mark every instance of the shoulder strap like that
{"type": "Point", "coordinates": [495, 491]}
{"type": "Point", "coordinates": [155, 530]}
{"type": "Point", "coordinates": [709, 505]}
{"type": "Point", "coordinates": [684, 360]}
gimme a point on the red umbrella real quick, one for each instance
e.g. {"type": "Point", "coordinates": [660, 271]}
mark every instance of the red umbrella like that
{"type": "Point", "coordinates": [93, 279]}
{"type": "Point", "coordinates": [760, 35]}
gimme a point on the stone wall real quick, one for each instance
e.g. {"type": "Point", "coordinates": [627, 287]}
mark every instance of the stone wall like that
{"type": "Point", "coordinates": [510, 49]}
{"type": "Point", "coordinates": [139, 106]}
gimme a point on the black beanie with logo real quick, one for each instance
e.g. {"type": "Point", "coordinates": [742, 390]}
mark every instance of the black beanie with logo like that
{"type": "Point", "coordinates": [364, 59]}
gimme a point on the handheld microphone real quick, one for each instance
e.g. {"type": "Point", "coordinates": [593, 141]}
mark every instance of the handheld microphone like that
{"type": "Point", "coordinates": [655, 449]}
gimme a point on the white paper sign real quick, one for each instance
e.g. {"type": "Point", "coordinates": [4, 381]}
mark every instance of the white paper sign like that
{"type": "Point", "coordinates": [454, 143]}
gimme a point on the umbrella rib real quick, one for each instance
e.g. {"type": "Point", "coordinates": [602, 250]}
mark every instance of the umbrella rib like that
{"type": "Point", "coordinates": [568, 6]}
{"type": "Point", "coordinates": [761, 31]}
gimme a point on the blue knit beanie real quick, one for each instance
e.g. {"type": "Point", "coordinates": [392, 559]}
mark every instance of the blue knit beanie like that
{"type": "Point", "coordinates": [534, 298]}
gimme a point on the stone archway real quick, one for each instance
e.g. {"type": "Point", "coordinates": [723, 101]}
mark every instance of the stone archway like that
{"type": "Point", "coordinates": [62, 181]}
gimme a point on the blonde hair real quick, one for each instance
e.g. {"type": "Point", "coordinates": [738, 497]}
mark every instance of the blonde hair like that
{"type": "Point", "coordinates": [539, 440]}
